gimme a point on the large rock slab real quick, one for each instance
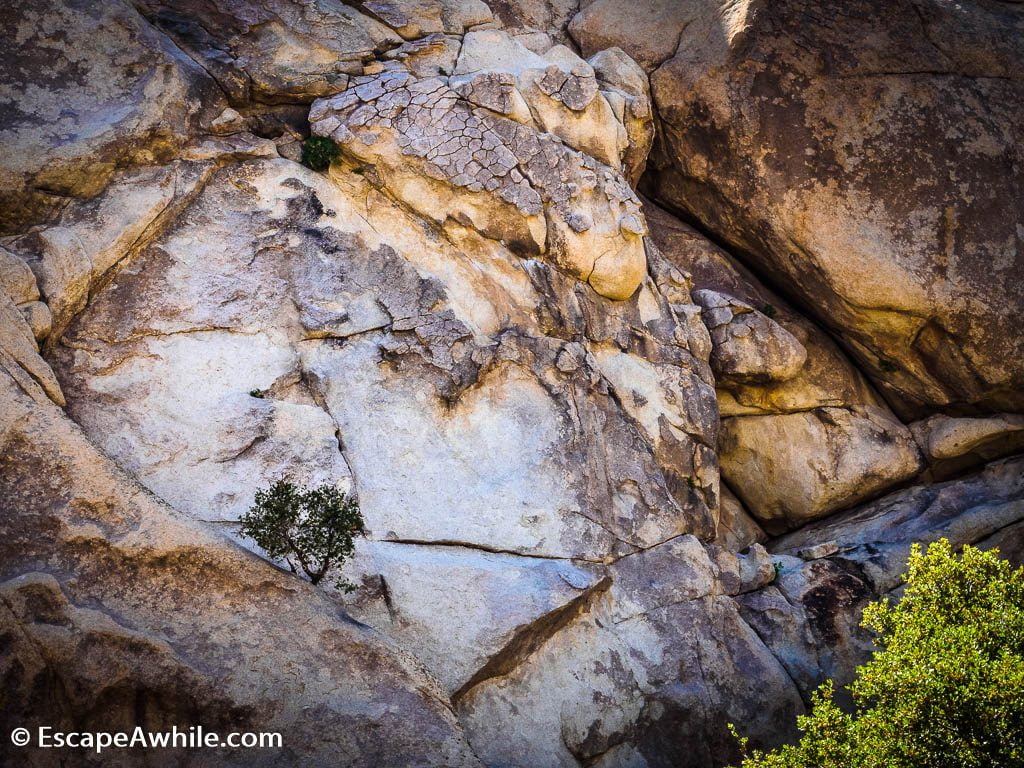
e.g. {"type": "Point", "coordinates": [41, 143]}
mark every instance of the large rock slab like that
{"type": "Point", "coordinates": [118, 611]}
{"type": "Point", "coordinates": [648, 674]}
{"type": "Point", "coordinates": [509, 433]}
{"type": "Point", "coordinates": [869, 161]}
{"type": "Point", "coordinates": [803, 434]}
{"type": "Point", "coordinates": [71, 112]}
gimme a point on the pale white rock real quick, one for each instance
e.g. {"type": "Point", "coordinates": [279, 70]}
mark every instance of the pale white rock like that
{"type": "Point", "coordinates": [496, 606]}
{"type": "Point", "coordinates": [417, 458]}
{"type": "Point", "coordinates": [509, 433]}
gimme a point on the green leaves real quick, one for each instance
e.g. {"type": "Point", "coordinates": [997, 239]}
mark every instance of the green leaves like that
{"type": "Point", "coordinates": [313, 530]}
{"type": "Point", "coordinates": [318, 152]}
{"type": "Point", "coordinates": [946, 687]}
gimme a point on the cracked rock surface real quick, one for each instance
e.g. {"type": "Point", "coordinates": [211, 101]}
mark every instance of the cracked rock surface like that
{"type": "Point", "coordinates": [625, 479]}
{"type": "Point", "coordinates": [522, 147]}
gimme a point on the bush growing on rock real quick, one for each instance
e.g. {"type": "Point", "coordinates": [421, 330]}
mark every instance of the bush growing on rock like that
{"type": "Point", "coordinates": [946, 687]}
{"type": "Point", "coordinates": [313, 530]}
{"type": "Point", "coordinates": [318, 152]}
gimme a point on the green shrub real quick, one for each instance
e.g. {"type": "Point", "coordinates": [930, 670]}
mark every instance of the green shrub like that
{"type": "Point", "coordinates": [946, 687]}
{"type": "Point", "coordinates": [318, 152]}
{"type": "Point", "coordinates": [313, 530]}
{"type": "Point", "coordinates": [769, 310]}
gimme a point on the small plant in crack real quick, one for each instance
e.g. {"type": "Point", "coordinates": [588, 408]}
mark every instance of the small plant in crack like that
{"type": "Point", "coordinates": [258, 393]}
{"type": "Point", "coordinates": [318, 152]}
{"type": "Point", "coordinates": [777, 565]}
{"type": "Point", "coordinates": [768, 310]}
{"type": "Point", "coordinates": [888, 366]}
{"type": "Point", "coordinates": [312, 530]}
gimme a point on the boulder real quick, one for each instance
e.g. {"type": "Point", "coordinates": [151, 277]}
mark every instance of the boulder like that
{"type": "Point", "coordinates": [827, 377]}
{"type": "Point", "coordinates": [273, 51]}
{"type": "Point", "coordinates": [747, 345]}
{"type": "Point", "coordinates": [822, 147]}
{"type": "Point", "coordinates": [829, 570]}
{"type": "Point", "coordinates": [793, 468]}
{"type": "Point", "coordinates": [648, 31]}
{"type": "Point", "coordinates": [71, 114]}
{"type": "Point", "coordinates": [952, 445]}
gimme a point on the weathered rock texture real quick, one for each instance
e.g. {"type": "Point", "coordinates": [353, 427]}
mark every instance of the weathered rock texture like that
{"type": "Point", "coordinates": [531, 378]}
{"type": "Point", "coordinates": [524, 148]}
{"type": "Point", "coordinates": [868, 157]}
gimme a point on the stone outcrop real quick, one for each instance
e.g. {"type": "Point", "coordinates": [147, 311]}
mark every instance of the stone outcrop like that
{"type": "Point", "coordinates": [867, 159]}
{"type": "Point", "coordinates": [72, 113]}
{"type": "Point", "coordinates": [803, 435]}
{"type": "Point", "coordinates": [118, 611]}
{"type": "Point", "coordinates": [525, 148]}
{"type": "Point", "coordinates": [829, 570]}
{"type": "Point", "coordinates": [530, 376]}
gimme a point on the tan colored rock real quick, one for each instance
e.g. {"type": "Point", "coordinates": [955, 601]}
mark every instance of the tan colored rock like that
{"type": "Point", "coordinates": [550, 17]}
{"type": "Point", "coordinates": [39, 319]}
{"type": "Point", "coordinates": [793, 468]}
{"type": "Point", "coordinates": [945, 437]}
{"type": "Point", "coordinates": [16, 279]}
{"type": "Point", "coordinates": [788, 162]}
{"type": "Point", "coordinates": [827, 378]}
{"type": "Point", "coordinates": [273, 51]}
{"type": "Point", "coordinates": [746, 344]}
{"type": "Point", "coordinates": [737, 530]}
{"type": "Point", "coordinates": [451, 160]}
{"type": "Point", "coordinates": [647, 31]}
{"type": "Point", "coordinates": [628, 92]}
{"type": "Point", "coordinates": [19, 356]}
{"type": "Point", "coordinates": [71, 113]}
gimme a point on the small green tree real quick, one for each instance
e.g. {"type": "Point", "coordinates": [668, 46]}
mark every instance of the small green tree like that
{"type": "Point", "coordinates": [313, 530]}
{"type": "Point", "coordinates": [946, 687]}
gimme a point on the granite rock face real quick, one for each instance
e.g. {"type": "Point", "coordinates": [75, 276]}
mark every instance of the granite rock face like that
{"type": "Point", "coordinates": [87, 89]}
{"type": "Point", "coordinates": [525, 148]}
{"type": "Point", "coordinates": [869, 159]}
{"type": "Point", "coordinates": [622, 484]}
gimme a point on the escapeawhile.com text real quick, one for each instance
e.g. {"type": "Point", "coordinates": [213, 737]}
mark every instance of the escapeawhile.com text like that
{"type": "Point", "coordinates": [195, 737]}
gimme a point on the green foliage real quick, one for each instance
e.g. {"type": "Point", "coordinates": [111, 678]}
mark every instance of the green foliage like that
{"type": "Point", "coordinates": [318, 152]}
{"type": "Point", "coordinates": [257, 393]}
{"type": "Point", "coordinates": [888, 366]}
{"type": "Point", "coordinates": [769, 310]}
{"type": "Point", "coordinates": [313, 530]}
{"type": "Point", "coordinates": [946, 687]}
